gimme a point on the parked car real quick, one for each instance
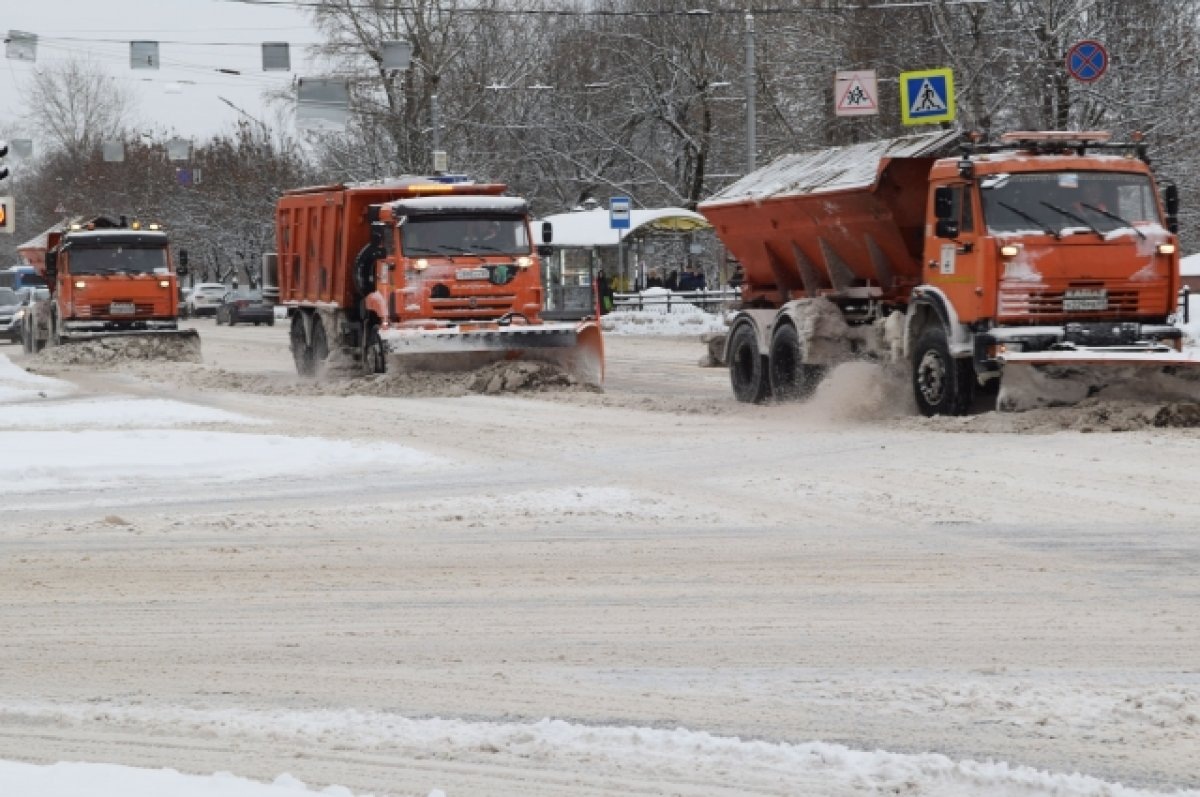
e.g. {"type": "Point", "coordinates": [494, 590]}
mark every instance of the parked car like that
{"type": "Point", "coordinates": [247, 307]}
{"type": "Point", "coordinates": [206, 298]}
{"type": "Point", "coordinates": [10, 315]}
{"type": "Point", "coordinates": [13, 306]}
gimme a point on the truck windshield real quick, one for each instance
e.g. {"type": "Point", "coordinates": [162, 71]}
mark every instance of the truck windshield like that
{"type": "Point", "coordinates": [441, 235]}
{"type": "Point", "coordinates": [1059, 201]}
{"type": "Point", "coordinates": [118, 258]}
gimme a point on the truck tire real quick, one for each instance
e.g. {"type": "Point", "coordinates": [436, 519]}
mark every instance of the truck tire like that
{"type": "Point", "coordinates": [302, 353]}
{"type": "Point", "coordinates": [320, 346]}
{"type": "Point", "coordinates": [791, 379]}
{"type": "Point", "coordinates": [747, 367]}
{"type": "Point", "coordinates": [374, 353]}
{"type": "Point", "coordinates": [942, 384]}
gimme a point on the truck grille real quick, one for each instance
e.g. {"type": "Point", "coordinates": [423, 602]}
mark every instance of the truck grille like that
{"type": "Point", "coordinates": [140, 310]}
{"type": "Point", "coordinates": [472, 307]}
{"type": "Point", "coordinates": [1049, 304]}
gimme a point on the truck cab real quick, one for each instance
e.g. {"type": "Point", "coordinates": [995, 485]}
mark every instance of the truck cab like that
{"type": "Point", "coordinates": [106, 277]}
{"type": "Point", "coordinates": [1051, 243]}
{"type": "Point", "coordinates": [454, 260]}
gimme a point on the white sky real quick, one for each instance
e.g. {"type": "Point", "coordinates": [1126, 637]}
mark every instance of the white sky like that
{"type": "Point", "coordinates": [164, 103]}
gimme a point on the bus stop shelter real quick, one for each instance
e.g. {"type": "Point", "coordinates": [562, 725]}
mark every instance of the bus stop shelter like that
{"type": "Point", "coordinates": [585, 243]}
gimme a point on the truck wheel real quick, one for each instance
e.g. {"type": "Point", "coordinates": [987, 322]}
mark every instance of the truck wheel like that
{"type": "Point", "coordinates": [320, 347]}
{"type": "Point", "coordinates": [747, 367]}
{"type": "Point", "coordinates": [791, 378]}
{"type": "Point", "coordinates": [302, 353]}
{"type": "Point", "coordinates": [942, 384]}
{"type": "Point", "coordinates": [374, 353]}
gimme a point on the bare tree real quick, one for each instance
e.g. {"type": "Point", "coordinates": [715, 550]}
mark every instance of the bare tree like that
{"type": "Point", "coordinates": [77, 106]}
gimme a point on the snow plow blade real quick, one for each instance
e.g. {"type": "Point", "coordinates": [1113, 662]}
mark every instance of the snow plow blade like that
{"type": "Point", "coordinates": [578, 349]}
{"type": "Point", "coordinates": [1065, 378]}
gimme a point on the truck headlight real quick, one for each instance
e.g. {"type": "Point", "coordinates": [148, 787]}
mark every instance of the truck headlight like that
{"type": "Point", "coordinates": [164, 283]}
{"type": "Point", "coordinates": [80, 284]}
{"type": "Point", "coordinates": [524, 262]}
{"type": "Point", "coordinates": [1166, 249]}
{"type": "Point", "coordinates": [421, 264]}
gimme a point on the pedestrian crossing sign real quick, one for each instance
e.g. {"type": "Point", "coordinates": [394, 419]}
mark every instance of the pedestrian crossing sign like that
{"type": "Point", "coordinates": [927, 96]}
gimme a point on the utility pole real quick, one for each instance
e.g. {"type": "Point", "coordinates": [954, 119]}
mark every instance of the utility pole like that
{"type": "Point", "coordinates": [751, 82]}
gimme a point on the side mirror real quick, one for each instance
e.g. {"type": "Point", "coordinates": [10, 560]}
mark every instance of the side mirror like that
{"type": "Point", "coordinates": [1172, 201]}
{"type": "Point", "coordinates": [182, 268]}
{"type": "Point", "coordinates": [51, 268]}
{"type": "Point", "coordinates": [547, 232]}
{"type": "Point", "coordinates": [946, 228]}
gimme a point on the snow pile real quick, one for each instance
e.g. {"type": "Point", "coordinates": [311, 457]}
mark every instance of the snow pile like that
{"type": "Point", "coordinates": [17, 384]}
{"type": "Point", "coordinates": [663, 313]}
{"type": "Point", "coordinates": [110, 780]}
{"type": "Point", "coordinates": [520, 376]}
{"type": "Point", "coordinates": [517, 376]}
{"type": "Point", "coordinates": [183, 348]}
{"type": "Point", "coordinates": [669, 756]}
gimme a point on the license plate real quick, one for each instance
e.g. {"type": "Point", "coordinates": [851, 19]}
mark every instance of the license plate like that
{"type": "Point", "coordinates": [471, 274]}
{"type": "Point", "coordinates": [121, 308]}
{"type": "Point", "coordinates": [1084, 300]}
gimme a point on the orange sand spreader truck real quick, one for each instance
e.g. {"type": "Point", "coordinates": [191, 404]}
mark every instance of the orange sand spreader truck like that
{"type": "Point", "coordinates": [417, 273]}
{"type": "Point", "coordinates": [108, 278]}
{"type": "Point", "coordinates": [1041, 269]}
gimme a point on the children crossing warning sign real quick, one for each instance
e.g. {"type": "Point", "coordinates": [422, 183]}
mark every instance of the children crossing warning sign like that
{"type": "Point", "coordinates": [927, 96]}
{"type": "Point", "coordinates": [855, 93]}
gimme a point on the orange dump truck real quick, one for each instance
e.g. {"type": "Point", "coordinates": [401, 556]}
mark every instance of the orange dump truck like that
{"type": "Point", "coordinates": [107, 279]}
{"type": "Point", "coordinates": [417, 273]}
{"type": "Point", "coordinates": [1046, 265]}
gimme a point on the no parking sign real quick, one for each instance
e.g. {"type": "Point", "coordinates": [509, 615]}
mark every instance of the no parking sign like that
{"type": "Point", "coordinates": [1087, 60]}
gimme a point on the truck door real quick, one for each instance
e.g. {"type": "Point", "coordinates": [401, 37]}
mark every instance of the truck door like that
{"type": "Point", "coordinates": [952, 253]}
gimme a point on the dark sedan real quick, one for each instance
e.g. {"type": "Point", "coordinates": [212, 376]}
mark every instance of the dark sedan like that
{"type": "Point", "coordinates": [245, 307]}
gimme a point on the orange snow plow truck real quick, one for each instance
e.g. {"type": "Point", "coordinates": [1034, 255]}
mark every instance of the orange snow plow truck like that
{"type": "Point", "coordinates": [418, 274]}
{"type": "Point", "coordinates": [1044, 267]}
{"type": "Point", "coordinates": [108, 279]}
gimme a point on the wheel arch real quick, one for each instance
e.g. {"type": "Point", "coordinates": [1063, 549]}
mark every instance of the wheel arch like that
{"type": "Point", "coordinates": [930, 307]}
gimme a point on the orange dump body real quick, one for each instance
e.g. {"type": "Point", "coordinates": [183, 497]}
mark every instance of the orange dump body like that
{"type": "Point", "coordinates": [320, 233]}
{"type": "Point", "coordinates": [869, 236]}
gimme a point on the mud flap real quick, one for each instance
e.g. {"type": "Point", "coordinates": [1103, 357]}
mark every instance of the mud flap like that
{"type": "Point", "coordinates": [1065, 378]}
{"type": "Point", "coordinates": [578, 349]}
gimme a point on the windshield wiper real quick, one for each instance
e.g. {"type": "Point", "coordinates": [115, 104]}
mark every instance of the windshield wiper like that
{"type": "Point", "coordinates": [1114, 217]}
{"type": "Point", "coordinates": [1030, 217]}
{"type": "Point", "coordinates": [1072, 216]}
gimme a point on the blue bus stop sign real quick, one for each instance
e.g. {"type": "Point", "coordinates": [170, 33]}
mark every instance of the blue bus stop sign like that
{"type": "Point", "coordinates": [618, 212]}
{"type": "Point", "coordinates": [1087, 60]}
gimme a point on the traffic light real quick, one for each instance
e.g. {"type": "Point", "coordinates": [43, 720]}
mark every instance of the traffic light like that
{"type": "Point", "coordinates": [7, 219]}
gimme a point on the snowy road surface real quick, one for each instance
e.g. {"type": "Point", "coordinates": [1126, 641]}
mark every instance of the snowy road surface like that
{"type": "Point", "coordinates": [217, 568]}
